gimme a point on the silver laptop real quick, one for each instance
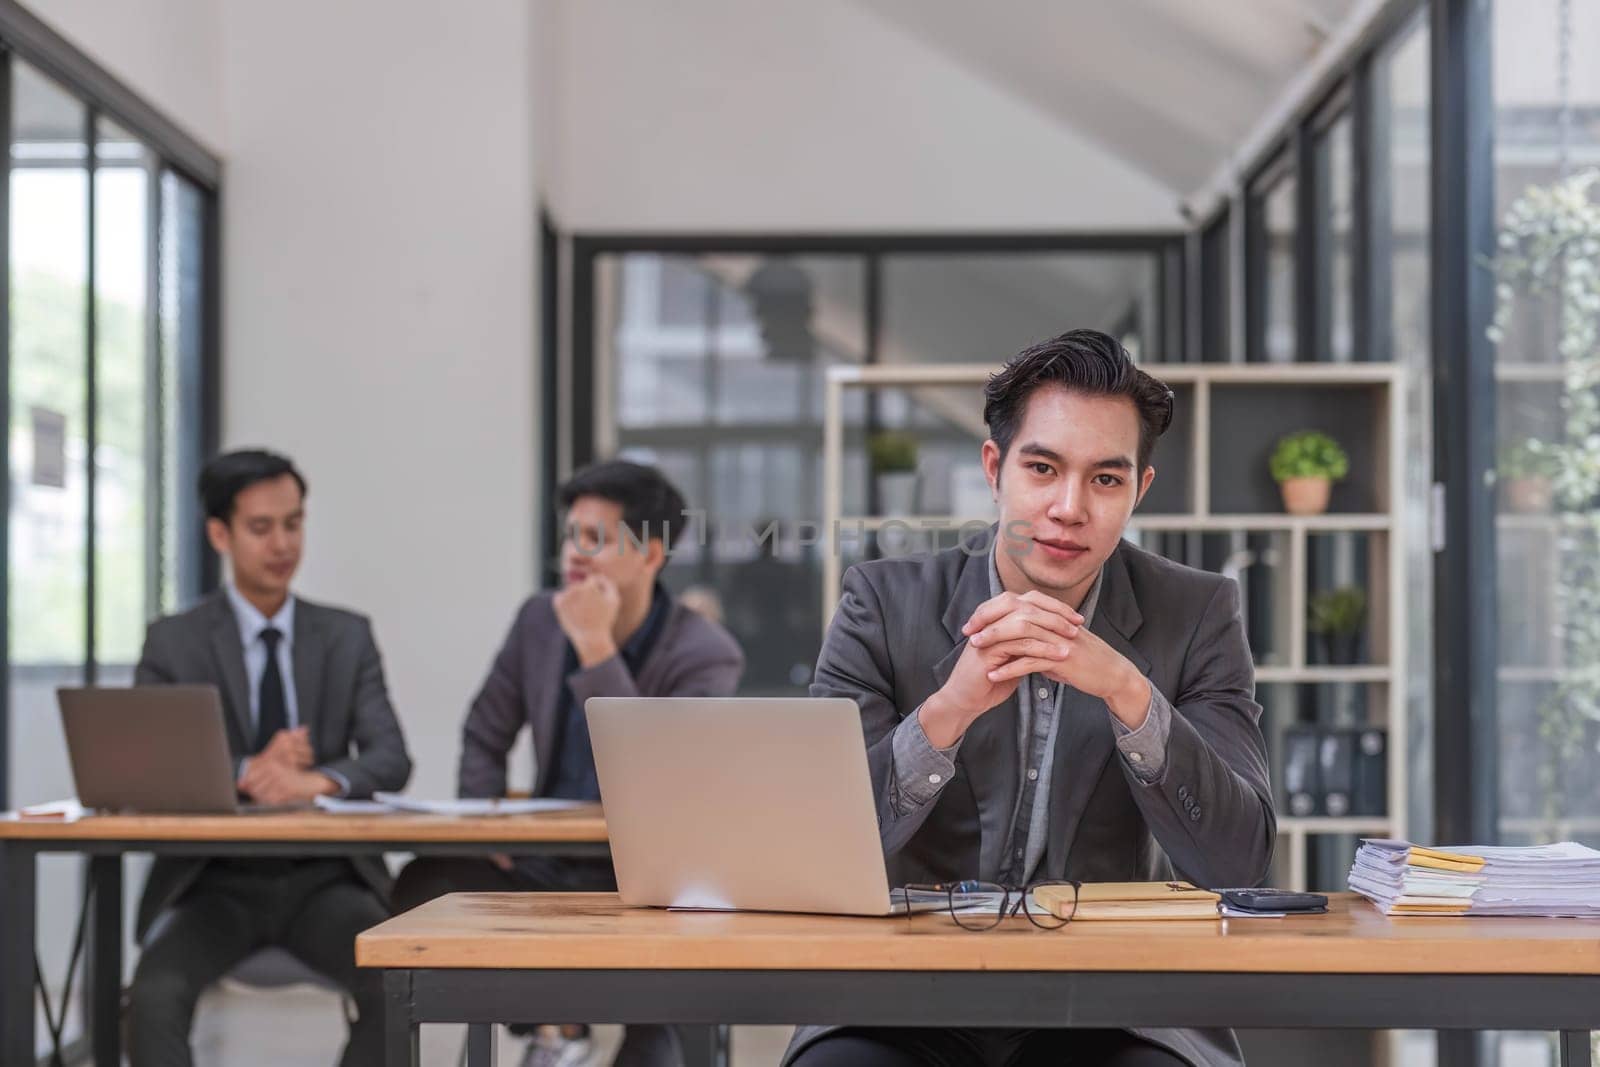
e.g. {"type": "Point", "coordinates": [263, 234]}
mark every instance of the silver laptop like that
{"type": "Point", "coordinates": [149, 749]}
{"type": "Point", "coordinates": [759, 804]}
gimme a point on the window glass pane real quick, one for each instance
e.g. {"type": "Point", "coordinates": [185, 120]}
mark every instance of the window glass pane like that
{"type": "Point", "coordinates": [1402, 75]}
{"type": "Point", "coordinates": [49, 273]}
{"type": "Point", "coordinates": [715, 365]}
{"type": "Point", "coordinates": [123, 377]}
{"type": "Point", "coordinates": [181, 400]}
{"type": "Point", "coordinates": [1547, 138]}
{"type": "Point", "coordinates": [1275, 241]}
{"type": "Point", "coordinates": [984, 308]}
{"type": "Point", "coordinates": [1335, 222]}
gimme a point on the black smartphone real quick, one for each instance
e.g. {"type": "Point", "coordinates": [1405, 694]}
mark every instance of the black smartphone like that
{"type": "Point", "coordinates": [1274, 900]}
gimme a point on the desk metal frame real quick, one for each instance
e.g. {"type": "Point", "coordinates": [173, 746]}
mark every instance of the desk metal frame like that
{"type": "Point", "coordinates": [103, 963]}
{"type": "Point", "coordinates": [480, 997]}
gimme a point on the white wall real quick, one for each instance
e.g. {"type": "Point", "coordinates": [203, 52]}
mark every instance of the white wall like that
{"type": "Point", "coordinates": [716, 115]}
{"type": "Point", "coordinates": [169, 51]}
{"type": "Point", "coordinates": [380, 227]}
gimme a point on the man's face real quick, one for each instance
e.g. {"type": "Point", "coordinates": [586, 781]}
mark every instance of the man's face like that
{"type": "Point", "coordinates": [1071, 478]}
{"type": "Point", "coordinates": [596, 543]}
{"type": "Point", "coordinates": [264, 538]}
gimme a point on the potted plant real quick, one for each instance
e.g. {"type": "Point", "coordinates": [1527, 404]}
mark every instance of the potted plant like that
{"type": "Point", "coordinates": [1305, 465]}
{"type": "Point", "coordinates": [1336, 616]}
{"type": "Point", "coordinates": [894, 466]}
{"type": "Point", "coordinates": [1527, 467]}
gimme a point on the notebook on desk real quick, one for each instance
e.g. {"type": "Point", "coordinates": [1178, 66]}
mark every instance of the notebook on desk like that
{"type": "Point", "coordinates": [1110, 901]}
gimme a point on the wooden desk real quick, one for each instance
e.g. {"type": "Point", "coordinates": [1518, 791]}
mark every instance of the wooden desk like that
{"type": "Point", "coordinates": [481, 958]}
{"type": "Point", "coordinates": [105, 838]}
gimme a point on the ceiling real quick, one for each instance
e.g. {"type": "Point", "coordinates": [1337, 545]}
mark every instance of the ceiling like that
{"type": "Point", "coordinates": [1172, 87]}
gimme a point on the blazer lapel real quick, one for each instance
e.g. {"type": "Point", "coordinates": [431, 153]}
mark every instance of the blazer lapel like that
{"type": "Point", "coordinates": [988, 755]}
{"type": "Point", "coordinates": [308, 654]}
{"type": "Point", "coordinates": [228, 653]}
{"type": "Point", "coordinates": [1085, 739]}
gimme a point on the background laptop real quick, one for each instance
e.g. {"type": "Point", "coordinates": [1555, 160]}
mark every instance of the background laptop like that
{"type": "Point", "coordinates": [151, 748]}
{"type": "Point", "coordinates": [760, 804]}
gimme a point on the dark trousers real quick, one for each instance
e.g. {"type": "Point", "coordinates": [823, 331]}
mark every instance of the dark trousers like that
{"type": "Point", "coordinates": [426, 878]}
{"type": "Point", "coordinates": [897, 1047]}
{"type": "Point", "coordinates": [313, 908]}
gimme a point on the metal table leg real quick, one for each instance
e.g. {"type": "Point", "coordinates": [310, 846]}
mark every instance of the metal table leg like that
{"type": "Point", "coordinates": [1575, 1048]}
{"type": "Point", "coordinates": [401, 1044]}
{"type": "Point", "coordinates": [104, 964]}
{"type": "Point", "coordinates": [18, 885]}
{"type": "Point", "coordinates": [480, 1045]}
{"type": "Point", "coordinates": [704, 1046]}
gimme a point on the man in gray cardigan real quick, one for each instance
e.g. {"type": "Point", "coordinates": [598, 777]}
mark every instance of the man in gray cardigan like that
{"type": "Point", "coordinates": [307, 714]}
{"type": "Point", "coordinates": [612, 630]}
{"type": "Point", "coordinates": [1050, 702]}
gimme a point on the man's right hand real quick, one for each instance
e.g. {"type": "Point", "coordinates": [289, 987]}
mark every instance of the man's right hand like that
{"type": "Point", "coordinates": [1005, 626]}
{"type": "Point", "coordinates": [289, 747]}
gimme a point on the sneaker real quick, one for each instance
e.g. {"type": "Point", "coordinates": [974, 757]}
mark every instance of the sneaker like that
{"type": "Point", "coordinates": [550, 1048]}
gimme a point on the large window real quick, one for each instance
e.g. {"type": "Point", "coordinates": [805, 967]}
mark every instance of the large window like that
{"type": "Point", "coordinates": [710, 362]}
{"type": "Point", "coordinates": [1547, 166]}
{"type": "Point", "coordinates": [108, 285]}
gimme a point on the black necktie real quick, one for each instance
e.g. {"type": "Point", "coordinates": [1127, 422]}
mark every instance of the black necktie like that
{"type": "Point", "coordinates": [272, 711]}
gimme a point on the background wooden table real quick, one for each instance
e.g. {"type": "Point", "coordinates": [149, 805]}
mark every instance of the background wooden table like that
{"type": "Point", "coordinates": [106, 838]}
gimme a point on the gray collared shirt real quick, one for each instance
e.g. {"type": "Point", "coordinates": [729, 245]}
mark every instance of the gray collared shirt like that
{"type": "Point", "coordinates": [922, 771]}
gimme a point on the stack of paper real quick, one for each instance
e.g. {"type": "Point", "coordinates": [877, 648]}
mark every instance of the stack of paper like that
{"type": "Point", "coordinates": [1406, 879]}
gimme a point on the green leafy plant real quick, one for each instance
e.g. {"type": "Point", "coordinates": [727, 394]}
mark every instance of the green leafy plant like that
{"type": "Point", "coordinates": [1309, 454]}
{"type": "Point", "coordinates": [1337, 612]}
{"type": "Point", "coordinates": [893, 452]}
{"type": "Point", "coordinates": [1529, 458]}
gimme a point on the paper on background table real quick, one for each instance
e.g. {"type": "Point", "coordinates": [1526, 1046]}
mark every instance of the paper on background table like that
{"type": "Point", "coordinates": [477, 805]}
{"type": "Point", "coordinates": [342, 806]}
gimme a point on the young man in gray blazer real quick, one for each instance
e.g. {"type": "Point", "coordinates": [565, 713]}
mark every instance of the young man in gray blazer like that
{"type": "Point", "coordinates": [612, 630]}
{"type": "Point", "coordinates": [307, 714]}
{"type": "Point", "coordinates": [1051, 702]}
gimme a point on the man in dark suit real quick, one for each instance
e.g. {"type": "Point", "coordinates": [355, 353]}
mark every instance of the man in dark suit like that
{"type": "Point", "coordinates": [307, 715]}
{"type": "Point", "coordinates": [1050, 702]}
{"type": "Point", "coordinates": [612, 630]}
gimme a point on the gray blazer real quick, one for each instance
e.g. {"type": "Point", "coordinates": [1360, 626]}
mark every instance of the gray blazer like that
{"type": "Point", "coordinates": [343, 701]}
{"type": "Point", "coordinates": [692, 657]}
{"type": "Point", "coordinates": [896, 637]}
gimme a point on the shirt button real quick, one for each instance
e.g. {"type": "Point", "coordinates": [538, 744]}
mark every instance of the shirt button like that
{"type": "Point", "coordinates": [1033, 776]}
{"type": "Point", "coordinates": [1044, 694]}
{"type": "Point", "coordinates": [1019, 853]}
{"type": "Point", "coordinates": [935, 779]}
{"type": "Point", "coordinates": [1136, 757]}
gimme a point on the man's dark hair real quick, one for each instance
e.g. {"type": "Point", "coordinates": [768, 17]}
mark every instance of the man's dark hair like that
{"type": "Point", "coordinates": [651, 506]}
{"type": "Point", "coordinates": [226, 476]}
{"type": "Point", "coordinates": [1085, 361]}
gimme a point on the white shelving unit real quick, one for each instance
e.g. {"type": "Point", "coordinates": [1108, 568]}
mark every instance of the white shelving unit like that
{"type": "Point", "coordinates": [1386, 619]}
